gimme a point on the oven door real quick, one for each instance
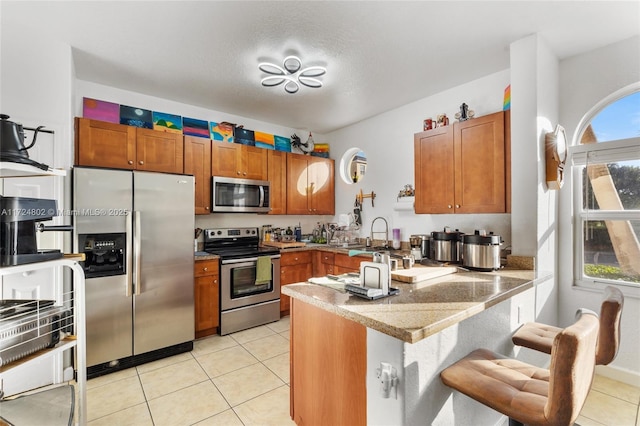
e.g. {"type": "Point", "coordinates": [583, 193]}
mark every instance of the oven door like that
{"type": "Point", "coordinates": [238, 283]}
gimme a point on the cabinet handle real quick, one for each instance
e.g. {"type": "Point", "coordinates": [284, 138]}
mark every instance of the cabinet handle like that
{"type": "Point", "coordinates": [457, 206]}
{"type": "Point", "coordinates": [238, 172]}
{"type": "Point", "coordinates": [215, 281]}
{"type": "Point", "coordinates": [130, 161]}
{"type": "Point", "coordinates": [205, 269]}
{"type": "Point", "coordinates": [449, 206]}
{"type": "Point", "coordinates": [206, 208]}
{"type": "Point", "coordinates": [244, 173]}
{"type": "Point", "coordinates": [141, 162]}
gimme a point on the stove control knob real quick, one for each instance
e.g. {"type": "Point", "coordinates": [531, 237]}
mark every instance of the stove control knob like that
{"type": "Point", "coordinates": [219, 232]}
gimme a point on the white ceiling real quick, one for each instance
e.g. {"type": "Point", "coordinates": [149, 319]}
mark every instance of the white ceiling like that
{"type": "Point", "coordinates": [379, 55]}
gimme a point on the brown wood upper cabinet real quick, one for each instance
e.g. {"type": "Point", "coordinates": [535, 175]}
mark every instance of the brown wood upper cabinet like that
{"type": "Point", "coordinates": [277, 167]}
{"type": "Point", "coordinates": [238, 161]}
{"type": "Point", "coordinates": [117, 146]}
{"type": "Point", "coordinates": [462, 168]}
{"type": "Point", "coordinates": [310, 185]}
{"type": "Point", "coordinates": [197, 162]}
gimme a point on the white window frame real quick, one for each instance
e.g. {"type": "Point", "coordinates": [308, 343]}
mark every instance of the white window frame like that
{"type": "Point", "coordinates": [603, 152]}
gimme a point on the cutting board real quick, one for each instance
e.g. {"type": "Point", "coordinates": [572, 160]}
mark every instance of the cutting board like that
{"type": "Point", "coordinates": [415, 275]}
{"type": "Point", "coordinates": [280, 244]}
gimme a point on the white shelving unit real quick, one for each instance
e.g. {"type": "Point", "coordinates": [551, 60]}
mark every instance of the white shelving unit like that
{"type": "Point", "coordinates": [8, 169]}
{"type": "Point", "coordinates": [77, 340]}
{"type": "Point", "coordinates": [76, 301]}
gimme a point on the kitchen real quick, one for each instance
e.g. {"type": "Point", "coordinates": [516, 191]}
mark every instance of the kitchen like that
{"type": "Point", "coordinates": [55, 93]}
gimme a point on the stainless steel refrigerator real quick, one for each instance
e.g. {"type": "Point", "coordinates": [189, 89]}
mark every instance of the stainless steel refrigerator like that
{"type": "Point", "coordinates": [136, 230]}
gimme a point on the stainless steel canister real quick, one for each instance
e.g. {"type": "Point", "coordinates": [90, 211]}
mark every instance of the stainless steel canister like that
{"type": "Point", "coordinates": [446, 246]}
{"type": "Point", "coordinates": [481, 252]}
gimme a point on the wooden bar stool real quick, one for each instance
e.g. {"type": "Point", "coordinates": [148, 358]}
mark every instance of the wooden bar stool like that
{"type": "Point", "coordinates": [540, 337]}
{"type": "Point", "coordinates": [526, 393]}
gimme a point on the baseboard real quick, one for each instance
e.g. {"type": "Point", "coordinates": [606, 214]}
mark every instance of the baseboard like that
{"type": "Point", "coordinates": [625, 376]}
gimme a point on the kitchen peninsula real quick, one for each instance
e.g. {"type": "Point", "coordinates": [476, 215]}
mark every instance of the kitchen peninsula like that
{"type": "Point", "coordinates": [338, 341]}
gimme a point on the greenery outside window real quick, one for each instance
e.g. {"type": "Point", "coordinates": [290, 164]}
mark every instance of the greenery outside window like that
{"type": "Point", "coordinates": [606, 176]}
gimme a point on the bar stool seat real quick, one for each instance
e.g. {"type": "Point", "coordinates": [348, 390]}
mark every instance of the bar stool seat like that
{"type": "Point", "coordinates": [540, 337]}
{"type": "Point", "coordinates": [529, 394]}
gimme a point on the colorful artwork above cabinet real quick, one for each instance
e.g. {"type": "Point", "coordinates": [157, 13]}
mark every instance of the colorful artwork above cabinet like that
{"type": "Point", "coordinates": [222, 131]}
{"type": "Point", "coordinates": [282, 144]}
{"type": "Point", "coordinates": [506, 104]}
{"type": "Point", "coordinates": [265, 140]}
{"type": "Point", "coordinates": [195, 127]}
{"type": "Point", "coordinates": [100, 110]}
{"type": "Point", "coordinates": [137, 117]}
{"type": "Point", "coordinates": [167, 122]}
{"type": "Point", "coordinates": [244, 136]}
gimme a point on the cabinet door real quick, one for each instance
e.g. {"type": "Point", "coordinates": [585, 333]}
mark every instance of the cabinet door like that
{"type": "Point", "coordinates": [225, 159]}
{"type": "Point", "coordinates": [322, 185]}
{"type": "Point", "coordinates": [290, 275]}
{"type": "Point", "coordinates": [206, 305]}
{"type": "Point", "coordinates": [197, 162]}
{"type": "Point", "coordinates": [433, 169]}
{"type": "Point", "coordinates": [254, 162]}
{"type": "Point", "coordinates": [277, 175]}
{"type": "Point", "coordinates": [297, 184]}
{"type": "Point", "coordinates": [102, 144]}
{"type": "Point", "coordinates": [158, 151]}
{"type": "Point", "coordinates": [480, 165]}
{"type": "Point", "coordinates": [329, 368]}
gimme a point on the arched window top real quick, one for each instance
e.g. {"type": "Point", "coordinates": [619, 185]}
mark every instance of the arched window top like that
{"type": "Point", "coordinates": [618, 120]}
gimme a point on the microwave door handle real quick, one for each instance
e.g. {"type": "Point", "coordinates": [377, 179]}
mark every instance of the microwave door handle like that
{"type": "Point", "coordinates": [261, 196]}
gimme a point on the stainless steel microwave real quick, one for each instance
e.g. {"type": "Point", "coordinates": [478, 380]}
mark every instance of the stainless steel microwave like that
{"type": "Point", "coordinates": [233, 195]}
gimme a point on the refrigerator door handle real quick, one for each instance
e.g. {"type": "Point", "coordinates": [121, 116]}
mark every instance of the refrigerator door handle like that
{"type": "Point", "coordinates": [129, 227]}
{"type": "Point", "coordinates": [137, 236]}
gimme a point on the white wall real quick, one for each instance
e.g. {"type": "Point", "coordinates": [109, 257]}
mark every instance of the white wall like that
{"type": "Point", "coordinates": [534, 101]}
{"type": "Point", "coordinates": [387, 140]}
{"type": "Point", "coordinates": [585, 80]}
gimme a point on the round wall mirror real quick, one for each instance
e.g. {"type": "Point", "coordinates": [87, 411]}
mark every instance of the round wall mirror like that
{"type": "Point", "coordinates": [353, 166]}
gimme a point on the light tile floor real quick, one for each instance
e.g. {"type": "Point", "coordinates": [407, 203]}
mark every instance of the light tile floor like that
{"type": "Point", "coordinates": [238, 379]}
{"type": "Point", "coordinates": [243, 379]}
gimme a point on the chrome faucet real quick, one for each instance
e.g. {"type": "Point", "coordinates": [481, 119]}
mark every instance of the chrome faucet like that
{"type": "Point", "coordinates": [386, 231]}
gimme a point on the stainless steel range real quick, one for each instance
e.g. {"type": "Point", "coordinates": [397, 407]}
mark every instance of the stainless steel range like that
{"type": "Point", "coordinates": [245, 302]}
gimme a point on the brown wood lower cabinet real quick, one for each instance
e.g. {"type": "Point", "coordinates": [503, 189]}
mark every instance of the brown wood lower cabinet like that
{"type": "Point", "coordinates": [207, 297]}
{"type": "Point", "coordinates": [328, 368]}
{"type": "Point", "coordinates": [322, 263]}
{"type": "Point", "coordinates": [295, 267]}
{"type": "Point", "coordinates": [344, 263]}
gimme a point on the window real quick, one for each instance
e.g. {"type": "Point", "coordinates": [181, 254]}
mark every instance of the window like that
{"type": "Point", "coordinates": [606, 189]}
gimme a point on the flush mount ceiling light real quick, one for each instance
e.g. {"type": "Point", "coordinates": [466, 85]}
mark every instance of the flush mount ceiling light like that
{"type": "Point", "coordinates": [291, 74]}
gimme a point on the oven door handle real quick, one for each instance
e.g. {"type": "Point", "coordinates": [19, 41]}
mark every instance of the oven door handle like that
{"type": "Point", "coordinates": [247, 259]}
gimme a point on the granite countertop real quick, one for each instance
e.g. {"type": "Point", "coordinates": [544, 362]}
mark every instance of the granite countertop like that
{"type": "Point", "coordinates": [203, 255]}
{"type": "Point", "coordinates": [424, 308]}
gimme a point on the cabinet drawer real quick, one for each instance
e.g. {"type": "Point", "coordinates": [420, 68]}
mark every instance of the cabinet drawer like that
{"type": "Point", "coordinates": [295, 258]}
{"type": "Point", "coordinates": [327, 258]}
{"type": "Point", "coordinates": [351, 262]}
{"type": "Point", "coordinates": [205, 267]}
